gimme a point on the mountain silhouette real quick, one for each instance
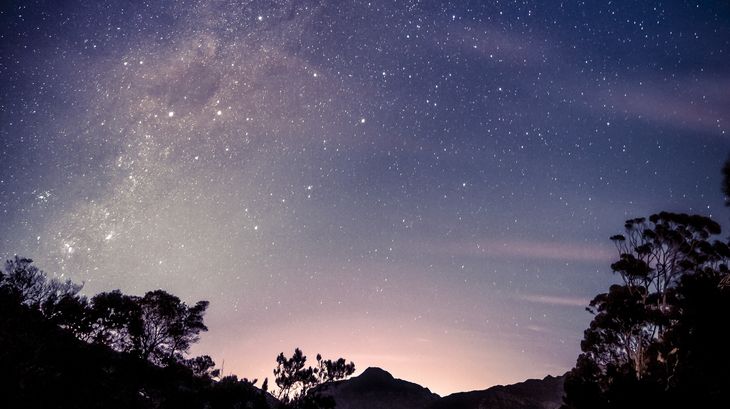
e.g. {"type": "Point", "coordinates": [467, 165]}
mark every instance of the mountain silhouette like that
{"type": "Point", "coordinates": [546, 393]}
{"type": "Point", "coordinates": [375, 388]}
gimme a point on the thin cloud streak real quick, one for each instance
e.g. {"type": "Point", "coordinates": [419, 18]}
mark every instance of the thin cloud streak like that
{"type": "Point", "coordinates": [539, 250]}
{"type": "Point", "coordinates": [695, 110]}
{"type": "Point", "coordinates": [561, 301]}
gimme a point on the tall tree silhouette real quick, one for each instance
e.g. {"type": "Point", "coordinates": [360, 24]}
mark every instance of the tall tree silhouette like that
{"type": "Point", "coordinates": [643, 340]}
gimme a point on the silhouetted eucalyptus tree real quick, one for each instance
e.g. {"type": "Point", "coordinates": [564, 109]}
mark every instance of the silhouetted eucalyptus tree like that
{"type": "Point", "coordinates": [636, 348]}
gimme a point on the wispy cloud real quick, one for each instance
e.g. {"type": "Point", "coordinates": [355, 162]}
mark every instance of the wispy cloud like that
{"type": "Point", "coordinates": [699, 103]}
{"type": "Point", "coordinates": [702, 106]}
{"type": "Point", "coordinates": [545, 250]}
{"type": "Point", "coordinates": [538, 328]}
{"type": "Point", "coordinates": [563, 301]}
{"type": "Point", "coordinates": [500, 46]}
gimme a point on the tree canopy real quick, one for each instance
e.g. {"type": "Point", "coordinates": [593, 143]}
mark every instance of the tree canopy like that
{"type": "Point", "coordinates": [63, 350]}
{"type": "Point", "coordinates": [298, 384]}
{"type": "Point", "coordinates": [653, 336]}
{"type": "Point", "coordinates": [158, 327]}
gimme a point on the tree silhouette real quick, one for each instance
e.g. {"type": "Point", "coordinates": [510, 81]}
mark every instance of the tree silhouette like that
{"type": "Point", "coordinates": [158, 327]}
{"type": "Point", "coordinates": [330, 371]}
{"type": "Point", "coordinates": [166, 327]}
{"type": "Point", "coordinates": [648, 332]}
{"type": "Point", "coordinates": [298, 384]}
{"type": "Point", "coordinates": [33, 286]}
{"type": "Point", "coordinates": [62, 350]}
{"type": "Point", "coordinates": [202, 366]}
{"type": "Point", "coordinates": [292, 377]}
{"type": "Point", "coordinates": [114, 317]}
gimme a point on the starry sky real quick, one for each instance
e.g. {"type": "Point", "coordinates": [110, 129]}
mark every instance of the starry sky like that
{"type": "Point", "coordinates": [425, 186]}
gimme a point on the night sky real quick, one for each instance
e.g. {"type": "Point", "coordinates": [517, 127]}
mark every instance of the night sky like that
{"type": "Point", "coordinates": [428, 187]}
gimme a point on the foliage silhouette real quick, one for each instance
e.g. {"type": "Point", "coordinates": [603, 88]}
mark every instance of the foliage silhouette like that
{"type": "Point", "coordinates": [34, 287]}
{"type": "Point", "coordinates": [62, 350]}
{"type": "Point", "coordinates": [113, 319]}
{"type": "Point", "coordinates": [298, 384]}
{"type": "Point", "coordinates": [330, 371]}
{"type": "Point", "coordinates": [168, 326]}
{"type": "Point", "coordinates": [656, 340]}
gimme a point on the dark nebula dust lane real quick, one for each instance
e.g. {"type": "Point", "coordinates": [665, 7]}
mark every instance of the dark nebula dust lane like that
{"type": "Point", "coordinates": [424, 186]}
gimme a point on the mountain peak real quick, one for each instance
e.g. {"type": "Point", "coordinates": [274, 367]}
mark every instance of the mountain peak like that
{"type": "Point", "coordinates": [376, 388]}
{"type": "Point", "coordinates": [374, 372]}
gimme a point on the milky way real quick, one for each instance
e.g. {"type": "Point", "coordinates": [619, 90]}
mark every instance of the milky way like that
{"type": "Point", "coordinates": [423, 186]}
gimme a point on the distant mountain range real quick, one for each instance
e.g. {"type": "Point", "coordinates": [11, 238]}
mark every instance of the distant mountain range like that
{"type": "Point", "coordinates": [378, 389]}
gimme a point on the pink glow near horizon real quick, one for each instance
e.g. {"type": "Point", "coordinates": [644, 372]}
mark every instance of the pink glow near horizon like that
{"type": "Point", "coordinates": [445, 360]}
